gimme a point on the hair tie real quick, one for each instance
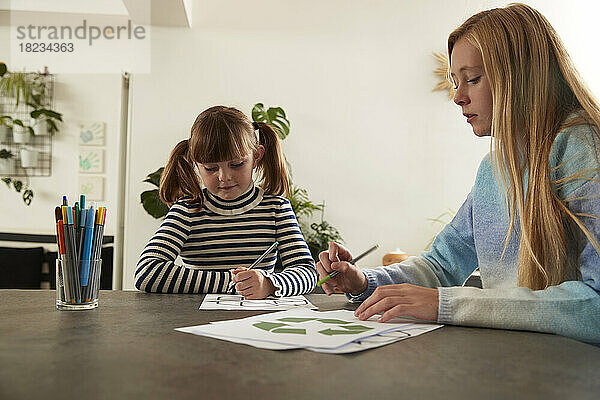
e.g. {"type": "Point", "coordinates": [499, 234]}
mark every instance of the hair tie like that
{"type": "Point", "coordinates": [255, 125]}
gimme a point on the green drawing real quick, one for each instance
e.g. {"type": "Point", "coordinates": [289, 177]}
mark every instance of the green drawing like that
{"type": "Point", "coordinates": [267, 326]}
{"type": "Point", "coordinates": [297, 331]}
{"type": "Point", "coordinates": [295, 319]}
{"type": "Point", "coordinates": [355, 329]}
{"type": "Point", "coordinates": [277, 327]}
{"type": "Point", "coordinates": [91, 161]}
{"type": "Point", "coordinates": [333, 321]}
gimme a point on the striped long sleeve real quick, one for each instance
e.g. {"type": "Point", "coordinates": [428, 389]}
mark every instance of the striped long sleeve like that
{"type": "Point", "coordinates": [221, 236]}
{"type": "Point", "coordinates": [299, 274]}
{"type": "Point", "coordinates": [157, 271]}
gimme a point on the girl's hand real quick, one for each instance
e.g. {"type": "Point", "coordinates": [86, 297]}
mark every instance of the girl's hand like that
{"type": "Point", "coordinates": [252, 284]}
{"type": "Point", "coordinates": [350, 278]}
{"type": "Point", "coordinates": [400, 300]}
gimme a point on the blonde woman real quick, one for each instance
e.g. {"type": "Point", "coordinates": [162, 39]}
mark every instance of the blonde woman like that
{"type": "Point", "coordinates": [530, 223]}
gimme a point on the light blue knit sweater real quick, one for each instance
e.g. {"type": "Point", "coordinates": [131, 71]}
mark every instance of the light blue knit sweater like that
{"type": "Point", "coordinates": [475, 238]}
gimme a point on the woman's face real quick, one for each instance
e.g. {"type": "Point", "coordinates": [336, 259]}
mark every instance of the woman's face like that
{"type": "Point", "coordinates": [473, 92]}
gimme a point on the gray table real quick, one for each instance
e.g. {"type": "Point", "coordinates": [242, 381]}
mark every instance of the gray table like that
{"type": "Point", "coordinates": [127, 349]}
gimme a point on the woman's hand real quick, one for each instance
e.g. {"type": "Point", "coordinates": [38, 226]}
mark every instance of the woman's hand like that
{"type": "Point", "coordinates": [350, 279]}
{"type": "Point", "coordinates": [252, 284]}
{"type": "Point", "coordinates": [400, 300]}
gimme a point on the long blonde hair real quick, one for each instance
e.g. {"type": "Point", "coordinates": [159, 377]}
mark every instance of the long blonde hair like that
{"type": "Point", "coordinates": [535, 88]}
{"type": "Point", "coordinates": [221, 134]}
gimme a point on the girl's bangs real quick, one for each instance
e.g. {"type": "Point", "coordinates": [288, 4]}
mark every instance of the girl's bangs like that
{"type": "Point", "coordinates": [225, 144]}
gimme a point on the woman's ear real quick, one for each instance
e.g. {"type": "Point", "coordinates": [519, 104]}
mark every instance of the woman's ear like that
{"type": "Point", "coordinates": [258, 154]}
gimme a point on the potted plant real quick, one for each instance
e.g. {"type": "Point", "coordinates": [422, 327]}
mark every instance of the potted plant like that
{"type": "Point", "coordinates": [46, 121]}
{"type": "Point", "coordinates": [28, 89]}
{"type": "Point", "coordinates": [29, 157]}
{"type": "Point", "coordinates": [317, 235]}
{"type": "Point", "coordinates": [6, 162]}
{"type": "Point", "coordinates": [5, 127]}
{"type": "Point", "coordinates": [21, 132]}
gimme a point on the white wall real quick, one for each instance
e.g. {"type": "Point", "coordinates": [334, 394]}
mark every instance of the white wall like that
{"type": "Point", "coordinates": [368, 136]}
{"type": "Point", "coordinates": [79, 97]}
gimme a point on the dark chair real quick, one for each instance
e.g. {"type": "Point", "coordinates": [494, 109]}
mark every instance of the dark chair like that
{"type": "Point", "coordinates": [21, 268]}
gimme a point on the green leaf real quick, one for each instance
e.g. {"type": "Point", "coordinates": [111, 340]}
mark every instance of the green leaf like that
{"type": "Point", "coordinates": [5, 120]}
{"type": "Point", "coordinates": [18, 185]}
{"type": "Point", "coordinates": [301, 204]}
{"type": "Point", "coordinates": [2, 69]}
{"type": "Point", "coordinates": [258, 113]}
{"type": "Point", "coordinates": [152, 204]}
{"type": "Point", "coordinates": [7, 181]}
{"type": "Point", "coordinates": [27, 196]}
{"type": "Point", "coordinates": [52, 125]}
{"type": "Point", "coordinates": [274, 116]}
{"type": "Point", "coordinates": [154, 177]}
{"type": "Point", "coordinates": [319, 236]}
{"type": "Point", "coordinates": [5, 154]}
{"type": "Point", "coordinates": [279, 121]}
{"type": "Point", "coordinates": [35, 114]}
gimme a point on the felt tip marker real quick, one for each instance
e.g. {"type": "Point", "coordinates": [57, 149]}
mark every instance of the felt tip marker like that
{"type": "Point", "coordinates": [333, 274]}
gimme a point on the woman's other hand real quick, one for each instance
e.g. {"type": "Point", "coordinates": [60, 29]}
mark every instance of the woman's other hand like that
{"type": "Point", "coordinates": [400, 300]}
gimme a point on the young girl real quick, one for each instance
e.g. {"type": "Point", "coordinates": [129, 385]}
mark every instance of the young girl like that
{"type": "Point", "coordinates": [230, 222]}
{"type": "Point", "coordinates": [530, 223]}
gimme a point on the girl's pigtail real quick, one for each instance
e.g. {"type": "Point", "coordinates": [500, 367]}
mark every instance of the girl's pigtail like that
{"type": "Point", "coordinates": [274, 171]}
{"type": "Point", "coordinates": [179, 178]}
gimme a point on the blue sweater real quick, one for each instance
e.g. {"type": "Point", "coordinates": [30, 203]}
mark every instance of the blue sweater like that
{"type": "Point", "coordinates": [223, 235]}
{"type": "Point", "coordinates": [475, 239]}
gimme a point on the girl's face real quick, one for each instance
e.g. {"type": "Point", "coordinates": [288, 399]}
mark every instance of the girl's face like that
{"type": "Point", "coordinates": [473, 92]}
{"type": "Point", "coordinates": [230, 179]}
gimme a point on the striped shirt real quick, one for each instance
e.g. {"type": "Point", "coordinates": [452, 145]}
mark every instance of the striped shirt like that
{"type": "Point", "coordinates": [223, 235]}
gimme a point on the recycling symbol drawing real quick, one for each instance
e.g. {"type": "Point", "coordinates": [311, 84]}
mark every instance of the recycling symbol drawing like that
{"type": "Point", "coordinates": [334, 326]}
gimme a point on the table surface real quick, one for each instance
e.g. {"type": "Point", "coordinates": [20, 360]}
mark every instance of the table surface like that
{"type": "Point", "coordinates": [127, 349]}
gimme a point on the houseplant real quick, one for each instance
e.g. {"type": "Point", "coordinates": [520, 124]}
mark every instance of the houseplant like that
{"type": "Point", "coordinates": [317, 235]}
{"type": "Point", "coordinates": [6, 164]}
{"type": "Point", "coordinates": [29, 90]}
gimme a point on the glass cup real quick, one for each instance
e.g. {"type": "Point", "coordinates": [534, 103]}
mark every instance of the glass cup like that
{"type": "Point", "coordinates": [70, 293]}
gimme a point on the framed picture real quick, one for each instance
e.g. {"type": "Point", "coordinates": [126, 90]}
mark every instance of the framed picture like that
{"type": "Point", "coordinates": [91, 160]}
{"type": "Point", "coordinates": [92, 187]}
{"type": "Point", "coordinates": [91, 133]}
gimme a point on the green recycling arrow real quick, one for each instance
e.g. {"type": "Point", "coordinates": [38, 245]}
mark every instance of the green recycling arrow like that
{"type": "Point", "coordinates": [295, 319]}
{"type": "Point", "coordinates": [347, 330]}
{"type": "Point", "coordinates": [333, 321]}
{"type": "Point", "coordinates": [297, 331]}
{"type": "Point", "coordinates": [267, 326]}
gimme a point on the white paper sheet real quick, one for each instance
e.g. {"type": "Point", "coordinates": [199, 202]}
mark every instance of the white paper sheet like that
{"type": "Point", "coordinates": [331, 331]}
{"type": "Point", "coordinates": [352, 347]}
{"type": "Point", "coordinates": [237, 302]}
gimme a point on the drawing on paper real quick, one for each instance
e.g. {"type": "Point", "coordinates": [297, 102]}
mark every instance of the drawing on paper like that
{"type": "Point", "coordinates": [238, 302]}
{"type": "Point", "coordinates": [91, 133]}
{"type": "Point", "coordinates": [342, 328]}
{"type": "Point", "coordinates": [92, 187]}
{"type": "Point", "coordinates": [91, 160]}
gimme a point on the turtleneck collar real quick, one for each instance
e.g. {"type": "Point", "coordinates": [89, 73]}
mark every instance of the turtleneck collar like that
{"type": "Point", "coordinates": [247, 201]}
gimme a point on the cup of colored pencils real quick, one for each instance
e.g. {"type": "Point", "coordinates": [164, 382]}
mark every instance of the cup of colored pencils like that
{"type": "Point", "coordinates": [79, 235]}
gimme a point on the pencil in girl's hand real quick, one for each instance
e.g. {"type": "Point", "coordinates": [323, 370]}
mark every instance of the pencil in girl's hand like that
{"type": "Point", "coordinates": [255, 263]}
